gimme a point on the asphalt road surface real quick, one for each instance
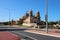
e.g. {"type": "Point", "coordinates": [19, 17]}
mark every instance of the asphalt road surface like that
{"type": "Point", "coordinates": [28, 35]}
{"type": "Point", "coordinates": [8, 28]}
{"type": "Point", "coordinates": [36, 36]}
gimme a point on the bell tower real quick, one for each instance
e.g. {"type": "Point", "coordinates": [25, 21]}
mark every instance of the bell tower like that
{"type": "Point", "coordinates": [31, 13]}
{"type": "Point", "coordinates": [38, 15]}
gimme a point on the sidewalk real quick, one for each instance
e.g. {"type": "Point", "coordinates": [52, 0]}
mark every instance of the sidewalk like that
{"type": "Point", "coordinates": [50, 33]}
{"type": "Point", "coordinates": [8, 36]}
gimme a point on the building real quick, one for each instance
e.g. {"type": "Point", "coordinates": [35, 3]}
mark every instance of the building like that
{"type": "Point", "coordinates": [29, 19]}
{"type": "Point", "coordinates": [32, 18]}
{"type": "Point", "coordinates": [20, 21]}
{"type": "Point", "coordinates": [13, 22]}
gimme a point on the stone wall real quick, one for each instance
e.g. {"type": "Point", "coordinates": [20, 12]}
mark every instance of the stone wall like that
{"type": "Point", "coordinates": [29, 24]}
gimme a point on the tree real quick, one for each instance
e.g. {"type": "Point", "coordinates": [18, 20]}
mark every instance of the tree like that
{"type": "Point", "coordinates": [42, 22]}
{"type": "Point", "coordinates": [52, 22]}
{"type": "Point", "coordinates": [59, 22]}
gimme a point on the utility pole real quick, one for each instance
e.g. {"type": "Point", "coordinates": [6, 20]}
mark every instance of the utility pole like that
{"type": "Point", "coordinates": [46, 16]}
{"type": "Point", "coordinates": [9, 12]}
{"type": "Point", "coordinates": [8, 16]}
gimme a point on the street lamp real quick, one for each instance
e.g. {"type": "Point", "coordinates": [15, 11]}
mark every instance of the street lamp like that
{"type": "Point", "coordinates": [46, 16]}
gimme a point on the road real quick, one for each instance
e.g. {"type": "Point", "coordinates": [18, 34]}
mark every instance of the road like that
{"type": "Point", "coordinates": [31, 36]}
{"type": "Point", "coordinates": [36, 36]}
{"type": "Point", "coordinates": [9, 28]}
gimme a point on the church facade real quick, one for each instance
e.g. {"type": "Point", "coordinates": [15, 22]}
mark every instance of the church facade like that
{"type": "Point", "coordinates": [32, 19]}
{"type": "Point", "coordinates": [29, 19]}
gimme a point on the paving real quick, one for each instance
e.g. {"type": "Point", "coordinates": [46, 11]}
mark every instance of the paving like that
{"type": "Point", "coordinates": [55, 33]}
{"type": "Point", "coordinates": [8, 36]}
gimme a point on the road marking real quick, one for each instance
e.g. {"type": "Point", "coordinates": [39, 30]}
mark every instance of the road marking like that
{"type": "Point", "coordinates": [13, 34]}
{"type": "Point", "coordinates": [44, 34]}
{"type": "Point", "coordinates": [26, 35]}
{"type": "Point", "coordinates": [22, 39]}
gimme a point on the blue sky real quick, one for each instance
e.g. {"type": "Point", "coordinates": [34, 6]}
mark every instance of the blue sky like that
{"type": "Point", "coordinates": [18, 8]}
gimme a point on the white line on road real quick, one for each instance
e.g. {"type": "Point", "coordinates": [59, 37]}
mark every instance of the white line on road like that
{"type": "Point", "coordinates": [26, 35]}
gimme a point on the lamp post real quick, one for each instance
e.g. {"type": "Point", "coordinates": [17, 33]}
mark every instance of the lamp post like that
{"type": "Point", "coordinates": [46, 16]}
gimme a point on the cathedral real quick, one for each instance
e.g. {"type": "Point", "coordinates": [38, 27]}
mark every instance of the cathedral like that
{"type": "Point", "coordinates": [29, 18]}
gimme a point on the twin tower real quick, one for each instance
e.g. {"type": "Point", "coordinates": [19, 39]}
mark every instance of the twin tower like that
{"type": "Point", "coordinates": [30, 18]}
